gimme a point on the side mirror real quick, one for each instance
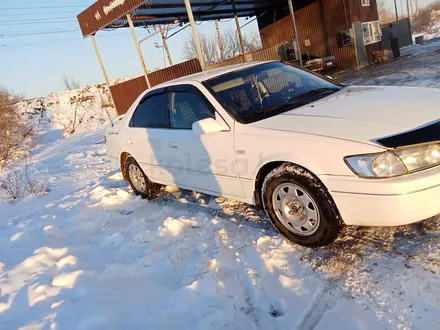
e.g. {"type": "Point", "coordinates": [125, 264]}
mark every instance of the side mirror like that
{"type": "Point", "coordinates": [208, 125]}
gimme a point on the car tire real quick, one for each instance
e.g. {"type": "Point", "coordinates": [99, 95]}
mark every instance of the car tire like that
{"type": "Point", "coordinates": [300, 207]}
{"type": "Point", "coordinates": [139, 181]}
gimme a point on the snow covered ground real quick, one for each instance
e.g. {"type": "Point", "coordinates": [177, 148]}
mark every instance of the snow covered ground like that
{"type": "Point", "coordinates": [90, 255]}
{"type": "Point", "coordinates": [419, 65]}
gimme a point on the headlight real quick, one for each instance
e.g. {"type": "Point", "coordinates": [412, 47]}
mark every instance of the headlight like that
{"type": "Point", "coordinates": [393, 163]}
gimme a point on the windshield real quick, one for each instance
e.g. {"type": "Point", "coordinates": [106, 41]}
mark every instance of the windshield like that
{"type": "Point", "coordinates": [268, 89]}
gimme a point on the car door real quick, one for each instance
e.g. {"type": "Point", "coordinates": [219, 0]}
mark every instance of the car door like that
{"type": "Point", "coordinates": [204, 162]}
{"type": "Point", "coordinates": [147, 134]}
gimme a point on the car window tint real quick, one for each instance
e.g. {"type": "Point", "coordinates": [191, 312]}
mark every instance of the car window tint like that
{"type": "Point", "coordinates": [267, 90]}
{"type": "Point", "coordinates": [186, 108]}
{"type": "Point", "coordinates": [151, 113]}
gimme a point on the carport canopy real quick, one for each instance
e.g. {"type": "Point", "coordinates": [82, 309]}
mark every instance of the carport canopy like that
{"type": "Point", "coordinates": [111, 14]}
{"type": "Point", "coordinates": [114, 14]}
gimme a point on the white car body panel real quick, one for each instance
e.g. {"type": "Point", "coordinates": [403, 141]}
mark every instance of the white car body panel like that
{"type": "Point", "coordinates": [361, 113]}
{"type": "Point", "coordinates": [317, 136]}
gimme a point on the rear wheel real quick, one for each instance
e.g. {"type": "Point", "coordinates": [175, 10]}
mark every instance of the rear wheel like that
{"type": "Point", "coordinates": [139, 181]}
{"type": "Point", "coordinates": [300, 207]}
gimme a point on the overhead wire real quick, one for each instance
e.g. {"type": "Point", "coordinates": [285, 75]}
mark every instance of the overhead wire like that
{"type": "Point", "coordinates": [43, 7]}
{"type": "Point", "coordinates": [41, 23]}
{"type": "Point", "coordinates": [44, 43]}
{"type": "Point", "coordinates": [38, 19]}
{"type": "Point", "coordinates": [74, 12]}
{"type": "Point", "coordinates": [25, 34]}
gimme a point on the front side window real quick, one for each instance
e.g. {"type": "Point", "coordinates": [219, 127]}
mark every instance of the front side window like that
{"type": "Point", "coordinates": [372, 32]}
{"type": "Point", "coordinates": [268, 89]}
{"type": "Point", "coordinates": [151, 113]}
{"type": "Point", "coordinates": [186, 108]}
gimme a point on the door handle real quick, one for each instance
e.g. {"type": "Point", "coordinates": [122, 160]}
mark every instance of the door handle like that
{"type": "Point", "coordinates": [130, 142]}
{"type": "Point", "coordinates": [173, 146]}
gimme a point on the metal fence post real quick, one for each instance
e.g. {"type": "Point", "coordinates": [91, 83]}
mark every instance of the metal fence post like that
{"type": "Point", "coordinates": [138, 48]}
{"type": "Point", "coordinates": [298, 49]}
{"type": "Point", "coordinates": [101, 64]}
{"type": "Point", "coordinates": [195, 35]}
{"type": "Point", "coordinates": [240, 37]}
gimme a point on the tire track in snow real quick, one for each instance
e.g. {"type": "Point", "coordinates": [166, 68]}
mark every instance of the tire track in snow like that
{"type": "Point", "coordinates": [323, 301]}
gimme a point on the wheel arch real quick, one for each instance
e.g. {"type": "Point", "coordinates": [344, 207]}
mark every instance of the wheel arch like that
{"type": "Point", "coordinates": [267, 168]}
{"type": "Point", "coordinates": [122, 159]}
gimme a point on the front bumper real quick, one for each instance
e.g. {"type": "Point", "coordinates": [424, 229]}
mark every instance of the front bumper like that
{"type": "Point", "coordinates": [388, 202]}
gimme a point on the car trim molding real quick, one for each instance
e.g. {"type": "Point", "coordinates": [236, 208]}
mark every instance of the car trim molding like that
{"type": "Point", "coordinates": [385, 195]}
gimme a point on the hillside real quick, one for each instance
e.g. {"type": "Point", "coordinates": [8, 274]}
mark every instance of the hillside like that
{"type": "Point", "coordinates": [60, 115]}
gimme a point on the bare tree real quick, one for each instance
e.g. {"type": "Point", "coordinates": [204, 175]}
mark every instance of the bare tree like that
{"type": "Point", "coordinates": [83, 100]}
{"type": "Point", "coordinates": [210, 50]}
{"type": "Point", "coordinates": [385, 13]}
{"type": "Point", "coordinates": [231, 46]}
{"type": "Point", "coordinates": [70, 83]}
{"type": "Point", "coordinates": [422, 21]}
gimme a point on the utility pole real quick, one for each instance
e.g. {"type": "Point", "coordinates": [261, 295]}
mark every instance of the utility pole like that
{"type": "Point", "coordinates": [165, 45]}
{"type": "Point", "coordinates": [395, 8]}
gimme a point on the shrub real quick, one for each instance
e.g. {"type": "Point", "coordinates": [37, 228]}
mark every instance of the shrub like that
{"type": "Point", "coordinates": [14, 131]}
{"type": "Point", "coordinates": [19, 181]}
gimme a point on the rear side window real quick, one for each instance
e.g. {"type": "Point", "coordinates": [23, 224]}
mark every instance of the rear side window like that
{"type": "Point", "coordinates": [151, 113]}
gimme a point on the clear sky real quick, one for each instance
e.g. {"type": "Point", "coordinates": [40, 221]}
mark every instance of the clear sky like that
{"type": "Point", "coordinates": [41, 41]}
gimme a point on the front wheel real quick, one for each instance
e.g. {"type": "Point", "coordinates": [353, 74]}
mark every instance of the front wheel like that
{"type": "Point", "coordinates": [139, 182]}
{"type": "Point", "coordinates": [300, 207]}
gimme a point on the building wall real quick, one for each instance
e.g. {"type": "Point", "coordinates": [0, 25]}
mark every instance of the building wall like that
{"type": "Point", "coordinates": [309, 27]}
{"type": "Point", "coordinates": [359, 13]}
{"type": "Point", "coordinates": [320, 22]}
{"type": "Point", "coordinates": [336, 19]}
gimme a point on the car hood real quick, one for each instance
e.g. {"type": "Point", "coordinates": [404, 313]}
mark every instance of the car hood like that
{"type": "Point", "coordinates": [362, 114]}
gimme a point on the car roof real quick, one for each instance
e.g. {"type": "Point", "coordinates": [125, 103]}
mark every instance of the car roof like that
{"type": "Point", "coordinates": [209, 74]}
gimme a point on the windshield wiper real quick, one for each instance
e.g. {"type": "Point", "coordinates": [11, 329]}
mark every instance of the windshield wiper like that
{"type": "Point", "coordinates": [318, 91]}
{"type": "Point", "coordinates": [277, 107]}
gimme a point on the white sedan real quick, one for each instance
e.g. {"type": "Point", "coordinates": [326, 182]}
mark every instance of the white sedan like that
{"type": "Point", "coordinates": [313, 153]}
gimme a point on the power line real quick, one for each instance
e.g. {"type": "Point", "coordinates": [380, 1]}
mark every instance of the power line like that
{"type": "Point", "coordinates": [43, 7]}
{"type": "Point", "coordinates": [32, 33]}
{"type": "Point", "coordinates": [5, 48]}
{"type": "Point", "coordinates": [35, 23]}
{"type": "Point", "coordinates": [40, 13]}
{"type": "Point", "coordinates": [38, 19]}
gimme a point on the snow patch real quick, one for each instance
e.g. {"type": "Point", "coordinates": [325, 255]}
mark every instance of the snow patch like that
{"type": "Point", "coordinates": [66, 280]}
{"type": "Point", "coordinates": [16, 237]}
{"type": "Point", "coordinates": [114, 240]}
{"type": "Point", "coordinates": [69, 260]}
{"type": "Point", "coordinates": [53, 232]}
{"type": "Point", "coordinates": [94, 322]}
